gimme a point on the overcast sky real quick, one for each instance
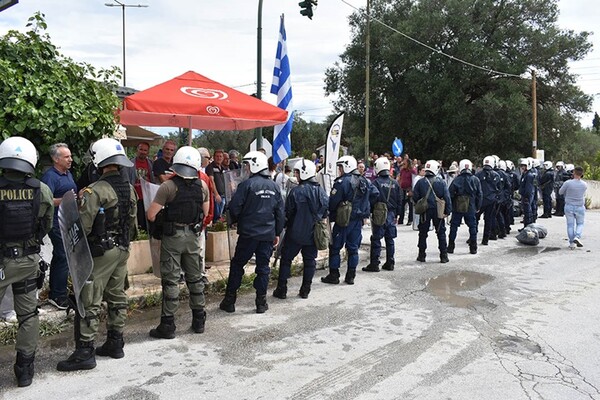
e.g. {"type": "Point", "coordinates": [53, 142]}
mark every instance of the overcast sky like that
{"type": "Point", "coordinates": [217, 38]}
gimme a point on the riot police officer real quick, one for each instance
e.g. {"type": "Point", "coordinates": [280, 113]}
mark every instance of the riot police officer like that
{"type": "Point", "coordinates": [109, 219]}
{"type": "Point", "coordinates": [505, 200]}
{"type": "Point", "coordinates": [436, 187]}
{"type": "Point", "coordinates": [560, 177]}
{"type": "Point", "coordinates": [527, 190]}
{"type": "Point", "coordinates": [390, 195]}
{"type": "Point", "coordinates": [257, 208]}
{"type": "Point", "coordinates": [350, 188]}
{"type": "Point", "coordinates": [465, 189]}
{"type": "Point", "coordinates": [547, 187]}
{"type": "Point", "coordinates": [490, 185]}
{"type": "Point", "coordinates": [305, 204]}
{"type": "Point", "coordinates": [27, 210]}
{"type": "Point", "coordinates": [185, 199]}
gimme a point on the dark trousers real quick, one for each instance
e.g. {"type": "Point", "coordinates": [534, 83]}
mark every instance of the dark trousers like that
{"type": "Point", "coordinates": [440, 229]}
{"type": "Point", "coordinates": [141, 215]}
{"type": "Point", "coordinates": [406, 200]}
{"type": "Point", "coordinates": [388, 232]}
{"type": "Point", "coordinates": [547, 198]}
{"type": "Point", "coordinates": [245, 248]}
{"type": "Point", "coordinates": [59, 269]}
{"type": "Point", "coordinates": [527, 210]}
{"type": "Point", "coordinates": [471, 222]}
{"type": "Point", "coordinates": [290, 250]}
{"type": "Point", "coordinates": [489, 219]}
{"type": "Point", "coordinates": [350, 236]}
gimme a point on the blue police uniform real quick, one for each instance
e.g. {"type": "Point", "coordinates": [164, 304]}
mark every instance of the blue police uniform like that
{"type": "Point", "coordinates": [514, 180]}
{"type": "Point", "coordinates": [357, 189]}
{"type": "Point", "coordinates": [257, 208]}
{"type": "Point", "coordinates": [526, 190]}
{"type": "Point", "coordinates": [547, 187]}
{"type": "Point", "coordinates": [465, 184]}
{"type": "Point", "coordinates": [305, 204]}
{"type": "Point", "coordinates": [490, 185]}
{"type": "Point", "coordinates": [501, 205]}
{"type": "Point", "coordinates": [534, 203]}
{"type": "Point", "coordinates": [391, 194]}
{"type": "Point", "coordinates": [560, 177]}
{"type": "Point", "coordinates": [440, 190]}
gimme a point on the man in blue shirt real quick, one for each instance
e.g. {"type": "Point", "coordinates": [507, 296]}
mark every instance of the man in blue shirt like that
{"type": "Point", "coordinates": [60, 180]}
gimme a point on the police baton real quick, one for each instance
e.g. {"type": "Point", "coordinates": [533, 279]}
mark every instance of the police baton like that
{"type": "Point", "coordinates": [278, 248]}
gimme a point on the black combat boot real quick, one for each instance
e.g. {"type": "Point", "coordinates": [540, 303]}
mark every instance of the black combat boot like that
{"type": "Point", "coordinates": [451, 247]}
{"type": "Point", "coordinates": [82, 358]}
{"type": "Point", "coordinates": [484, 241]}
{"type": "Point", "coordinates": [372, 267]}
{"type": "Point", "coordinates": [502, 234]}
{"type": "Point", "coordinates": [350, 274]}
{"type": "Point", "coordinates": [444, 258]}
{"type": "Point", "coordinates": [388, 266]}
{"type": "Point", "coordinates": [113, 347]}
{"type": "Point", "coordinates": [281, 290]}
{"type": "Point", "coordinates": [421, 256]}
{"type": "Point", "coordinates": [24, 369]}
{"type": "Point", "coordinates": [228, 302]}
{"type": "Point", "coordinates": [165, 330]}
{"type": "Point", "coordinates": [261, 304]}
{"type": "Point", "coordinates": [473, 247]}
{"type": "Point", "coordinates": [198, 320]}
{"type": "Point", "coordinates": [304, 290]}
{"type": "Point", "coordinates": [333, 277]}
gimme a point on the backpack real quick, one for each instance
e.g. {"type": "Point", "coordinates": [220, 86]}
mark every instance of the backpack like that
{"type": "Point", "coordinates": [380, 210]}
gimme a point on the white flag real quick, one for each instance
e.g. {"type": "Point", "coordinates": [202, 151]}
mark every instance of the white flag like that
{"type": "Point", "coordinates": [332, 149]}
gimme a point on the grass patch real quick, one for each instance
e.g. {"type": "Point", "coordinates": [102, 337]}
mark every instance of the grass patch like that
{"type": "Point", "coordinates": [8, 332]}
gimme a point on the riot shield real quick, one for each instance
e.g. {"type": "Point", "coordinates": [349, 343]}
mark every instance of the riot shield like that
{"type": "Point", "coordinates": [148, 192]}
{"type": "Point", "coordinates": [233, 178]}
{"type": "Point", "coordinates": [79, 258]}
{"type": "Point", "coordinates": [325, 180]}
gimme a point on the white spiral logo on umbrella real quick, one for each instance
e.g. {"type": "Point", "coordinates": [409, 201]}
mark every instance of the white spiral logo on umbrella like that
{"type": "Point", "coordinates": [213, 110]}
{"type": "Point", "coordinates": [213, 94]}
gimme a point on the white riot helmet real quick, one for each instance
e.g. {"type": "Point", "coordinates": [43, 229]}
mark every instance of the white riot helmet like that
{"type": "Point", "coordinates": [306, 169]}
{"type": "Point", "coordinates": [496, 160]}
{"type": "Point", "coordinates": [348, 163]}
{"type": "Point", "coordinates": [109, 151]}
{"type": "Point", "coordinates": [525, 162]}
{"type": "Point", "coordinates": [536, 163]}
{"type": "Point", "coordinates": [465, 164]}
{"type": "Point", "coordinates": [489, 161]}
{"type": "Point", "coordinates": [19, 154]}
{"type": "Point", "coordinates": [187, 162]}
{"type": "Point", "coordinates": [382, 166]}
{"type": "Point", "coordinates": [569, 167]}
{"type": "Point", "coordinates": [432, 166]}
{"type": "Point", "coordinates": [510, 165]}
{"type": "Point", "coordinates": [560, 164]}
{"type": "Point", "coordinates": [257, 161]}
{"type": "Point", "coordinates": [547, 164]}
{"type": "Point", "coordinates": [502, 165]}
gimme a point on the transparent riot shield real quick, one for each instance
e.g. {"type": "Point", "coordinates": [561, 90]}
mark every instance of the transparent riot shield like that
{"type": "Point", "coordinates": [233, 178]}
{"type": "Point", "coordinates": [149, 191]}
{"type": "Point", "coordinates": [79, 258]}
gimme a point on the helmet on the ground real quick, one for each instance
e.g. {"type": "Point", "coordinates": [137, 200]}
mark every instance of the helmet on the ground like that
{"type": "Point", "coordinates": [19, 154]}
{"type": "Point", "coordinates": [348, 163]}
{"type": "Point", "coordinates": [432, 166]}
{"type": "Point", "coordinates": [560, 164]}
{"type": "Point", "coordinates": [525, 162]}
{"type": "Point", "coordinates": [547, 164]}
{"type": "Point", "coordinates": [109, 151]}
{"type": "Point", "coordinates": [465, 164]}
{"type": "Point", "coordinates": [306, 169]}
{"type": "Point", "coordinates": [489, 161]}
{"type": "Point", "coordinates": [502, 165]}
{"type": "Point", "coordinates": [382, 166]}
{"type": "Point", "coordinates": [187, 162]}
{"type": "Point", "coordinates": [257, 161]}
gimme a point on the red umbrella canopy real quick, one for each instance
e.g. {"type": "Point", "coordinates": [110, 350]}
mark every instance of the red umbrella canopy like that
{"type": "Point", "coordinates": [194, 101]}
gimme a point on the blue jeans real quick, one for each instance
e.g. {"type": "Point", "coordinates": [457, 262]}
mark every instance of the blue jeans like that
{"type": "Point", "coordinates": [219, 207]}
{"type": "Point", "coordinates": [575, 216]}
{"type": "Point", "coordinates": [59, 270]}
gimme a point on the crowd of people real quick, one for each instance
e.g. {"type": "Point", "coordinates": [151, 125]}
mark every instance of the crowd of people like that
{"type": "Point", "coordinates": [278, 207]}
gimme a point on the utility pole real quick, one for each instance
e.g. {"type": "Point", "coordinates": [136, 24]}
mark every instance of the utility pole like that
{"type": "Point", "coordinates": [258, 131]}
{"type": "Point", "coordinates": [534, 108]}
{"type": "Point", "coordinates": [367, 78]}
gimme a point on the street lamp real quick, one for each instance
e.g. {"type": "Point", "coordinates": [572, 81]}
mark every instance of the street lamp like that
{"type": "Point", "coordinates": [123, 5]}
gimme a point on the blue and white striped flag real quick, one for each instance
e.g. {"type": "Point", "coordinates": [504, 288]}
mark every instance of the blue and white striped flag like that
{"type": "Point", "coordinates": [282, 87]}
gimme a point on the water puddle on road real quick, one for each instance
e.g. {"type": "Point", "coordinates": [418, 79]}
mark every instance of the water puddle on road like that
{"type": "Point", "coordinates": [532, 250]}
{"type": "Point", "coordinates": [446, 286]}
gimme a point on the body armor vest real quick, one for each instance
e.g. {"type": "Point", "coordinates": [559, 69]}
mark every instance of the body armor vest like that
{"type": "Point", "coordinates": [186, 207]}
{"type": "Point", "coordinates": [19, 209]}
{"type": "Point", "coordinates": [117, 217]}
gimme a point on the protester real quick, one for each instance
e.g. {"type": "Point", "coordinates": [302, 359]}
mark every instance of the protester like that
{"type": "Point", "coordinates": [216, 172]}
{"type": "Point", "coordinates": [574, 192]}
{"type": "Point", "coordinates": [142, 169]}
{"type": "Point", "coordinates": [162, 165]}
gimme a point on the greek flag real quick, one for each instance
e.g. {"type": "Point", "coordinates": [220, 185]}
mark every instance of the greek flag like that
{"type": "Point", "coordinates": [282, 87]}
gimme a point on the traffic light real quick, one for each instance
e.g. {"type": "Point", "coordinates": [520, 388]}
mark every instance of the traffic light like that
{"type": "Point", "coordinates": [306, 7]}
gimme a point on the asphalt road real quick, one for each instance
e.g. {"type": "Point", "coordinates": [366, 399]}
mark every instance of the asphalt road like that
{"type": "Point", "coordinates": [512, 322]}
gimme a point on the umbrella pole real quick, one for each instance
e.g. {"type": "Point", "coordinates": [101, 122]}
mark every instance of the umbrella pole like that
{"type": "Point", "coordinates": [190, 131]}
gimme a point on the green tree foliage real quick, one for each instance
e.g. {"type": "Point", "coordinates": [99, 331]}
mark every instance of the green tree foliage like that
{"type": "Point", "coordinates": [444, 109]}
{"type": "Point", "coordinates": [48, 98]}
{"type": "Point", "coordinates": [596, 123]}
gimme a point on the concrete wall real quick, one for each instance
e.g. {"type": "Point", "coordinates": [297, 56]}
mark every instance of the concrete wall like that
{"type": "Point", "coordinates": [593, 191]}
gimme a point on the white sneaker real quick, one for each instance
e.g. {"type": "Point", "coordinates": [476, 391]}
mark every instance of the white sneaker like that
{"type": "Point", "coordinates": [572, 246]}
{"type": "Point", "coordinates": [578, 242]}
